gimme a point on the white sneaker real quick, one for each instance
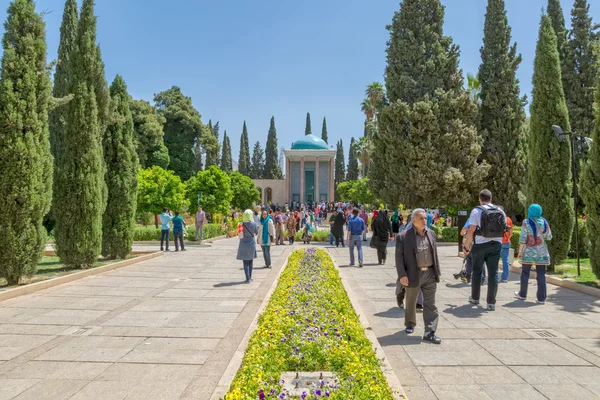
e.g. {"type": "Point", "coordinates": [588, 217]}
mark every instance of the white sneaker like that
{"type": "Point", "coordinates": [540, 302]}
{"type": "Point", "coordinates": [518, 296]}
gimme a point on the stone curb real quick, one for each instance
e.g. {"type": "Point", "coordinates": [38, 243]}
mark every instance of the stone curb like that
{"type": "Point", "coordinates": [236, 361]}
{"type": "Point", "coordinates": [386, 367]}
{"type": "Point", "coordinates": [565, 283]}
{"type": "Point", "coordinates": [157, 242]}
{"type": "Point", "coordinates": [35, 287]}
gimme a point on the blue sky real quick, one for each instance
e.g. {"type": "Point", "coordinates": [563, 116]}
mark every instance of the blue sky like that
{"type": "Point", "coordinates": [249, 60]}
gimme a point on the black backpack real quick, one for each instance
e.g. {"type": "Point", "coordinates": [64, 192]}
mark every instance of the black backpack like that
{"type": "Point", "coordinates": [493, 223]}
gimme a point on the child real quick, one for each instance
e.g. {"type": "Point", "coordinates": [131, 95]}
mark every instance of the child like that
{"type": "Point", "coordinates": [307, 234]}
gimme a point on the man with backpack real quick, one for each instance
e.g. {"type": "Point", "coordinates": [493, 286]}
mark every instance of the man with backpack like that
{"type": "Point", "coordinates": [484, 242]}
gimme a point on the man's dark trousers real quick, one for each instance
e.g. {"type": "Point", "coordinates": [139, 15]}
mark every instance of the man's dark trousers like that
{"type": "Point", "coordinates": [164, 234]}
{"type": "Point", "coordinates": [427, 285]}
{"type": "Point", "coordinates": [489, 254]}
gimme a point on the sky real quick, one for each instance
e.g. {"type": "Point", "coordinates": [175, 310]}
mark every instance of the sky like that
{"type": "Point", "coordinates": [250, 60]}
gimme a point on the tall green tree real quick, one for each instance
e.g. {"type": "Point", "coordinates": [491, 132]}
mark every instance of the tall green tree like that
{"type": "Point", "coordinates": [80, 190]}
{"type": "Point", "coordinates": [590, 191]}
{"type": "Point", "coordinates": [272, 168]}
{"type": "Point", "coordinates": [62, 75]}
{"type": "Point", "coordinates": [257, 169]}
{"type": "Point", "coordinates": [324, 131]}
{"type": "Point", "coordinates": [158, 188]}
{"type": "Point", "coordinates": [426, 144]}
{"type": "Point", "coordinates": [215, 187]}
{"type": "Point", "coordinates": [353, 170]}
{"type": "Point", "coordinates": [226, 160]}
{"type": "Point", "coordinates": [182, 128]}
{"type": "Point", "coordinates": [244, 158]}
{"type": "Point", "coordinates": [555, 12]}
{"type": "Point", "coordinates": [340, 168]}
{"type": "Point", "coordinates": [245, 193]}
{"type": "Point", "coordinates": [148, 131]}
{"type": "Point", "coordinates": [118, 222]}
{"type": "Point", "coordinates": [502, 113]}
{"type": "Point", "coordinates": [308, 128]}
{"type": "Point", "coordinates": [549, 176]}
{"type": "Point", "coordinates": [212, 155]}
{"type": "Point", "coordinates": [25, 158]}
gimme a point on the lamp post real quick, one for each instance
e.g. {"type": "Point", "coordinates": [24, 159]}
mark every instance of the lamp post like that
{"type": "Point", "coordinates": [575, 139]}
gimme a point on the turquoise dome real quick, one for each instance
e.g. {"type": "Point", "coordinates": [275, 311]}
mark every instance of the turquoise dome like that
{"type": "Point", "coordinates": [310, 142]}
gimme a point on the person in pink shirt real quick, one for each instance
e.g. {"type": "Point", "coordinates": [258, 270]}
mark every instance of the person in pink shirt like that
{"type": "Point", "coordinates": [365, 217]}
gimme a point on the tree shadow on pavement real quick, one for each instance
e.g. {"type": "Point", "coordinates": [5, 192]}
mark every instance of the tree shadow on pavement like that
{"type": "Point", "coordinates": [393, 312]}
{"type": "Point", "coordinates": [400, 338]}
{"type": "Point", "coordinates": [464, 311]}
{"type": "Point", "coordinates": [228, 284]}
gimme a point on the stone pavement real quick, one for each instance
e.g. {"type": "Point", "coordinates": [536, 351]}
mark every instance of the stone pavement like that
{"type": "Point", "coordinates": [520, 351]}
{"type": "Point", "coordinates": [166, 328]}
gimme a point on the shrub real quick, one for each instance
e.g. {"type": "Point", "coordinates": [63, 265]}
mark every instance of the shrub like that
{"type": "Point", "coordinates": [150, 233]}
{"type": "Point", "coordinates": [584, 241]}
{"type": "Point", "coordinates": [310, 325]}
{"type": "Point", "coordinates": [514, 239]}
{"type": "Point", "coordinates": [317, 236]}
{"type": "Point", "coordinates": [449, 234]}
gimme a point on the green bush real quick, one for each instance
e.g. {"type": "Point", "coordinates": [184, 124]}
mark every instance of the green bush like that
{"type": "Point", "coordinates": [449, 234]}
{"type": "Point", "coordinates": [584, 241]}
{"type": "Point", "coordinates": [150, 233]}
{"type": "Point", "coordinates": [318, 236]}
{"type": "Point", "coordinates": [514, 238]}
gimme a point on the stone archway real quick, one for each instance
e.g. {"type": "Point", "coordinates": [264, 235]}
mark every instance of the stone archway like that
{"type": "Point", "coordinates": [268, 195]}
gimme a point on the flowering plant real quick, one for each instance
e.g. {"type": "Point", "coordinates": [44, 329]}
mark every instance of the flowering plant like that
{"type": "Point", "coordinates": [310, 325]}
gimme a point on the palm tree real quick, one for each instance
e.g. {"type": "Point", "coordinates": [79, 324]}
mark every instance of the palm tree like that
{"type": "Point", "coordinates": [371, 106]}
{"type": "Point", "coordinates": [376, 95]}
{"type": "Point", "coordinates": [367, 107]}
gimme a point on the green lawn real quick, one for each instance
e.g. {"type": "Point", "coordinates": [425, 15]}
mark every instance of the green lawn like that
{"type": "Point", "coordinates": [568, 269]}
{"type": "Point", "coordinates": [51, 267]}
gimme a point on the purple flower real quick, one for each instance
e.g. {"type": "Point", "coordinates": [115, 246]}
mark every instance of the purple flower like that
{"type": "Point", "coordinates": [318, 392]}
{"type": "Point", "coordinates": [282, 395]}
{"type": "Point", "coordinates": [261, 394]}
{"type": "Point", "coordinates": [303, 396]}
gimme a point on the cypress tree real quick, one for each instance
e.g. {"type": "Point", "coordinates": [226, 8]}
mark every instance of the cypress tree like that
{"type": "Point", "coordinates": [324, 131]}
{"type": "Point", "coordinates": [272, 168]}
{"type": "Point", "coordinates": [244, 159]}
{"type": "Point", "coordinates": [148, 131]}
{"type": "Point", "coordinates": [118, 222]}
{"type": "Point", "coordinates": [80, 191]}
{"type": "Point", "coordinates": [308, 129]}
{"type": "Point", "coordinates": [549, 159]}
{"type": "Point", "coordinates": [257, 170]}
{"type": "Point", "coordinates": [502, 111]}
{"type": "Point", "coordinates": [62, 75]}
{"type": "Point", "coordinates": [555, 12]}
{"type": "Point", "coordinates": [340, 168]}
{"type": "Point", "coordinates": [226, 160]}
{"type": "Point", "coordinates": [581, 70]}
{"type": "Point", "coordinates": [590, 191]}
{"type": "Point", "coordinates": [425, 143]}
{"type": "Point", "coordinates": [352, 162]}
{"type": "Point", "coordinates": [212, 155]}
{"type": "Point", "coordinates": [25, 158]}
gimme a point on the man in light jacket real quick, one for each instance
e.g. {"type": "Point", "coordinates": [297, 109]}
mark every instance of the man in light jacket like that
{"type": "Point", "coordinates": [200, 219]}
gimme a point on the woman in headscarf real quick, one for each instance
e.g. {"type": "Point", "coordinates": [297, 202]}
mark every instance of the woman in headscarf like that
{"type": "Point", "coordinates": [382, 231]}
{"type": "Point", "coordinates": [395, 222]}
{"type": "Point", "coordinates": [247, 230]}
{"type": "Point", "coordinates": [291, 229]}
{"type": "Point", "coordinates": [533, 250]}
{"type": "Point", "coordinates": [266, 235]}
{"type": "Point", "coordinates": [338, 227]}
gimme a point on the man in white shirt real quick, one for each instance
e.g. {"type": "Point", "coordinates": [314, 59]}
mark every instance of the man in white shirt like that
{"type": "Point", "coordinates": [484, 241]}
{"type": "Point", "coordinates": [200, 219]}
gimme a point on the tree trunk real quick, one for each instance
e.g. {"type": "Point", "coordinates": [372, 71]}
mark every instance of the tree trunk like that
{"type": "Point", "coordinates": [156, 220]}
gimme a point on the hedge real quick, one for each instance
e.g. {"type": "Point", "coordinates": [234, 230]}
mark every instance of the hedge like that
{"type": "Point", "coordinates": [310, 325]}
{"type": "Point", "coordinates": [150, 233]}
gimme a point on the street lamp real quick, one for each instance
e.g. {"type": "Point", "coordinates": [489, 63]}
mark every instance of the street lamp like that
{"type": "Point", "coordinates": [581, 143]}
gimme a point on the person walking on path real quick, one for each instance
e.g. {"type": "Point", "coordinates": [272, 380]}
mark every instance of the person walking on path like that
{"type": "Point", "coordinates": [178, 227]}
{"type": "Point", "coordinates": [418, 268]}
{"type": "Point", "coordinates": [338, 227]}
{"type": "Point", "coordinates": [200, 220]}
{"type": "Point", "coordinates": [247, 247]}
{"type": "Point", "coordinates": [395, 222]}
{"type": "Point", "coordinates": [165, 219]}
{"type": "Point", "coordinates": [506, 249]}
{"type": "Point", "coordinates": [266, 235]}
{"type": "Point", "coordinates": [278, 227]}
{"type": "Point", "coordinates": [365, 217]}
{"type": "Point", "coordinates": [533, 250]}
{"type": "Point", "coordinates": [356, 227]}
{"type": "Point", "coordinates": [469, 258]}
{"type": "Point", "coordinates": [382, 232]}
{"type": "Point", "coordinates": [291, 229]}
{"type": "Point", "coordinates": [484, 240]}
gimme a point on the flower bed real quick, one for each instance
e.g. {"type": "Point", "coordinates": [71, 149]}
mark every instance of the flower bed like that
{"type": "Point", "coordinates": [310, 325]}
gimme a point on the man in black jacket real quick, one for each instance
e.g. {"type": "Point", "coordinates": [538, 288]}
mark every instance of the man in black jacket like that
{"type": "Point", "coordinates": [418, 269]}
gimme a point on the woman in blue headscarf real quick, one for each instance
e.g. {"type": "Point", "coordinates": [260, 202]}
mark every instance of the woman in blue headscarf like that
{"type": "Point", "coordinates": [266, 235]}
{"type": "Point", "coordinates": [534, 251]}
{"type": "Point", "coordinates": [247, 230]}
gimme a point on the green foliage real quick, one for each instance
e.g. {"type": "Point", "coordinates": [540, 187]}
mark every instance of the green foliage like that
{"type": "Point", "coordinates": [590, 191]}
{"type": "Point", "coordinates": [356, 190]}
{"type": "Point", "coordinates": [244, 158]}
{"type": "Point", "coordinates": [340, 168]}
{"type": "Point", "coordinates": [584, 241]}
{"type": "Point", "coordinates": [245, 194]}
{"type": "Point", "coordinates": [324, 131]}
{"type": "Point", "coordinates": [353, 172]}
{"type": "Point", "coordinates": [226, 160]}
{"type": "Point", "coordinates": [272, 168]}
{"type": "Point", "coordinates": [317, 236]}
{"type": "Point", "coordinates": [308, 129]}
{"type": "Point", "coordinates": [212, 154]}
{"type": "Point", "coordinates": [502, 113]}
{"type": "Point", "coordinates": [514, 238]}
{"type": "Point", "coordinates": [448, 234]}
{"type": "Point", "coordinates": [121, 176]}
{"type": "Point", "coordinates": [257, 170]}
{"type": "Point", "coordinates": [215, 187]}
{"type": "Point", "coordinates": [549, 159]}
{"type": "Point", "coordinates": [79, 188]}
{"type": "Point", "coordinates": [25, 158]}
{"type": "Point", "coordinates": [420, 59]}
{"type": "Point", "coordinates": [150, 233]}
{"type": "Point", "coordinates": [555, 12]}
{"type": "Point", "coordinates": [182, 127]}
{"type": "Point", "coordinates": [158, 188]}
{"type": "Point", "coordinates": [148, 134]}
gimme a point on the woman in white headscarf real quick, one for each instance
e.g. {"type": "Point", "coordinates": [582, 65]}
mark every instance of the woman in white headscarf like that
{"type": "Point", "coordinates": [247, 232]}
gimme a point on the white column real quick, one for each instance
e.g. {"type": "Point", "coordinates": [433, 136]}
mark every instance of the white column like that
{"type": "Point", "coordinates": [287, 181]}
{"type": "Point", "coordinates": [302, 200]}
{"type": "Point", "coordinates": [316, 199]}
{"type": "Point", "coordinates": [331, 181]}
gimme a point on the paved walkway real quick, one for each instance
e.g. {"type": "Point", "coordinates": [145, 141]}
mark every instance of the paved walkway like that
{"type": "Point", "coordinates": [520, 351]}
{"type": "Point", "coordinates": [162, 329]}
